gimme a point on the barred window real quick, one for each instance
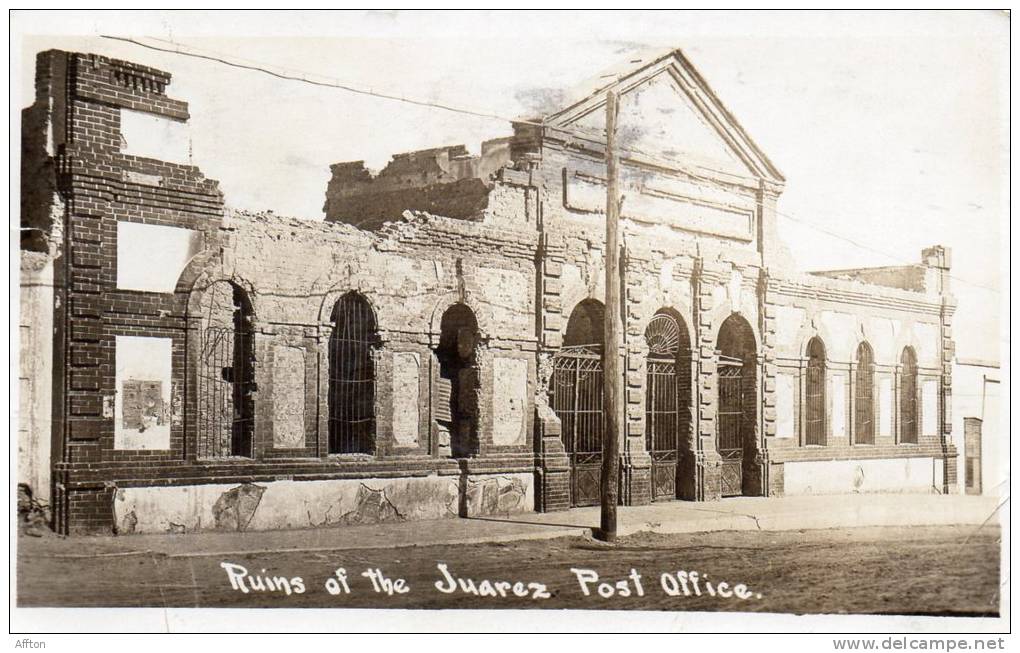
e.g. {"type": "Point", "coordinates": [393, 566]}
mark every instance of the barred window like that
{"type": "Point", "coordinates": [908, 396]}
{"type": "Point", "coordinates": [864, 410]}
{"type": "Point", "coordinates": [352, 377]}
{"type": "Point", "coordinates": [814, 394]}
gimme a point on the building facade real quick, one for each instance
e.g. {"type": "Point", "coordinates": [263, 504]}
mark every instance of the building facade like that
{"type": "Point", "coordinates": [977, 433]}
{"type": "Point", "coordinates": [434, 348]}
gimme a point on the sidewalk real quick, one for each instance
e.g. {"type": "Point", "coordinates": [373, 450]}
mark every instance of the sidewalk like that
{"type": "Point", "coordinates": [740, 513]}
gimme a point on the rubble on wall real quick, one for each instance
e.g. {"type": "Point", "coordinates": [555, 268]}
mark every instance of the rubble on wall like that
{"type": "Point", "coordinates": [444, 180]}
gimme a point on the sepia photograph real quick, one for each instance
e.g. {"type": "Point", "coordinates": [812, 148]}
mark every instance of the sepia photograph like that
{"type": "Point", "coordinates": [503, 321]}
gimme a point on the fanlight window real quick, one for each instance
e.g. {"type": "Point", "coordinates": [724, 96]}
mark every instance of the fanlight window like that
{"type": "Point", "coordinates": [663, 336]}
{"type": "Point", "coordinates": [667, 400]}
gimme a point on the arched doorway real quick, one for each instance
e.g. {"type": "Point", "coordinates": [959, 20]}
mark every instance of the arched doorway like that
{"type": "Point", "coordinates": [226, 372]}
{"type": "Point", "coordinates": [667, 400]}
{"type": "Point", "coordinates": [458, 383]}
{"type": "Point", "coordinates": [576, 388]}
{"type": "Point", "coordinates": [736, 423]}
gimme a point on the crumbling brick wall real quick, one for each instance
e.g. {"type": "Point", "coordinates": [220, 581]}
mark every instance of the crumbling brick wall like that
{"type": "Point", "coordinates": [77, 115]}
{"type": "Point", "coordinates": [444, 181]}
{"type": "Point", "coordinates": [292, 272]}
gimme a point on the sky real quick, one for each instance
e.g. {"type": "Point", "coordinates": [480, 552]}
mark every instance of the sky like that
{"type": "Point", "coordinates": [891, 128]}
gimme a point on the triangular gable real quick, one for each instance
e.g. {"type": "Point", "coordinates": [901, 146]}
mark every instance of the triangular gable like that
{"type": "Point", "coordinates": [667, 111]}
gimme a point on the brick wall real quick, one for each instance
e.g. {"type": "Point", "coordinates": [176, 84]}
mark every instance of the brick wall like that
{"type": "Point", "coordinates": [293, 271]}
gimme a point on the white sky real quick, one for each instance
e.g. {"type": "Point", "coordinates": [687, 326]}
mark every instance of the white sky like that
{"type": "Point", "coordinates": [890, 127]}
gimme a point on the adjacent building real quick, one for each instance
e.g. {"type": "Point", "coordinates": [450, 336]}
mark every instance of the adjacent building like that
{"type": "Point", "coordinates": [434, 347]}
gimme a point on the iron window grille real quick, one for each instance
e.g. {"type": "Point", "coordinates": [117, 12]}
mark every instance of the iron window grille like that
{"type": "Point", "coordinates": [814, 394]}
{"type": "Point", "coordinates": [864, 404]}
{"type": "Point", "coordinates": [352, 377]}
{"type": "Point", "coordinates": [908, 397]}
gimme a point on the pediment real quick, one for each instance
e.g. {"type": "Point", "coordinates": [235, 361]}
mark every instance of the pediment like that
{"type": "Point", "coordinates": [667, 111]}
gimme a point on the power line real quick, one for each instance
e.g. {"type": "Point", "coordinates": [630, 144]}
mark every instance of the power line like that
{"type": "Point", "coordinates": [298, 76]}
{"type": "Point", "coordinates": [811, 225]}
{"type": "Point", "coordinates": [877, 251]}
{"type": "Point", "coordinates": [328, 84]}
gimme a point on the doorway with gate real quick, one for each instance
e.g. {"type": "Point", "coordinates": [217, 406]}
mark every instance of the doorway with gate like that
{"type": "Point", "coordinates": [736, 417]}
{"type": "Point", "coordinates": [576, 387]}
{"type": "Point", "coordinates": [225, 373]}
{"type": "Point", "coordinates": [667, 400]}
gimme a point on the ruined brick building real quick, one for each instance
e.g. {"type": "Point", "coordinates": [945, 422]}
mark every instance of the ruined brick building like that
{"type": "Point", "coordinates": [434, 347]}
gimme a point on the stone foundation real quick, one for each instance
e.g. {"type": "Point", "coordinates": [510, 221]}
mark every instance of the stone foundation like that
{"type": "Point", "coordinates": [499, 494]}
{"type": "Point", "coordinates": [710, 473]}
{"type": "Point", "coordinates": [777, 479]}
{"type": "Point", "coordinates": [859, 476]}
{"type": "Point", "coordinates": [312, 504]}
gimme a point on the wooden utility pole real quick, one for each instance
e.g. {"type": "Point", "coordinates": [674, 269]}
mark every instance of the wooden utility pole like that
{"type": "Point", "coordinates": [612, 385]}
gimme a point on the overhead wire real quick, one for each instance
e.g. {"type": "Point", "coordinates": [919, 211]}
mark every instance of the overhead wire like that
{"type": "Point", "coordinates": [303, 77]}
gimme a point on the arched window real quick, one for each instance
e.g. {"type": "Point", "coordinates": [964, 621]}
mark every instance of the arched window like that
{"type": "Point", "coordinates": [864, 396]}
{"type": "Point", "coordinates": [908, 396]}
{"type": "Point", "coordinates": [814, 394]}
{"type": "Point", "coordinates": [226, 372]}
{"type": "Point", "coordinates": [351, 377]}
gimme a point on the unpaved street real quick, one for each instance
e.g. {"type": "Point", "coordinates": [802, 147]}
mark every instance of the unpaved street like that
{"type": "Point", "coordinates": [916, 570]}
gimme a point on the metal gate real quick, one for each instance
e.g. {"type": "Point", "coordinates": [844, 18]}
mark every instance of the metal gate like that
{"type": "Point", "coordinates": [225, 386]}
{"type": "Point", "coordinates": [662, 421]}
{"type": "Point", "coordinates": [577, 400]}
{"type": "Point", "coordinates": [667, 400]}
{"type": "Point", "coordinates": [730, 435]}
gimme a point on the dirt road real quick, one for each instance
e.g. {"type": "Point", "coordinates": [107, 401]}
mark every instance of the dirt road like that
{"type": "Point", "coordinates": [916, 570]}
